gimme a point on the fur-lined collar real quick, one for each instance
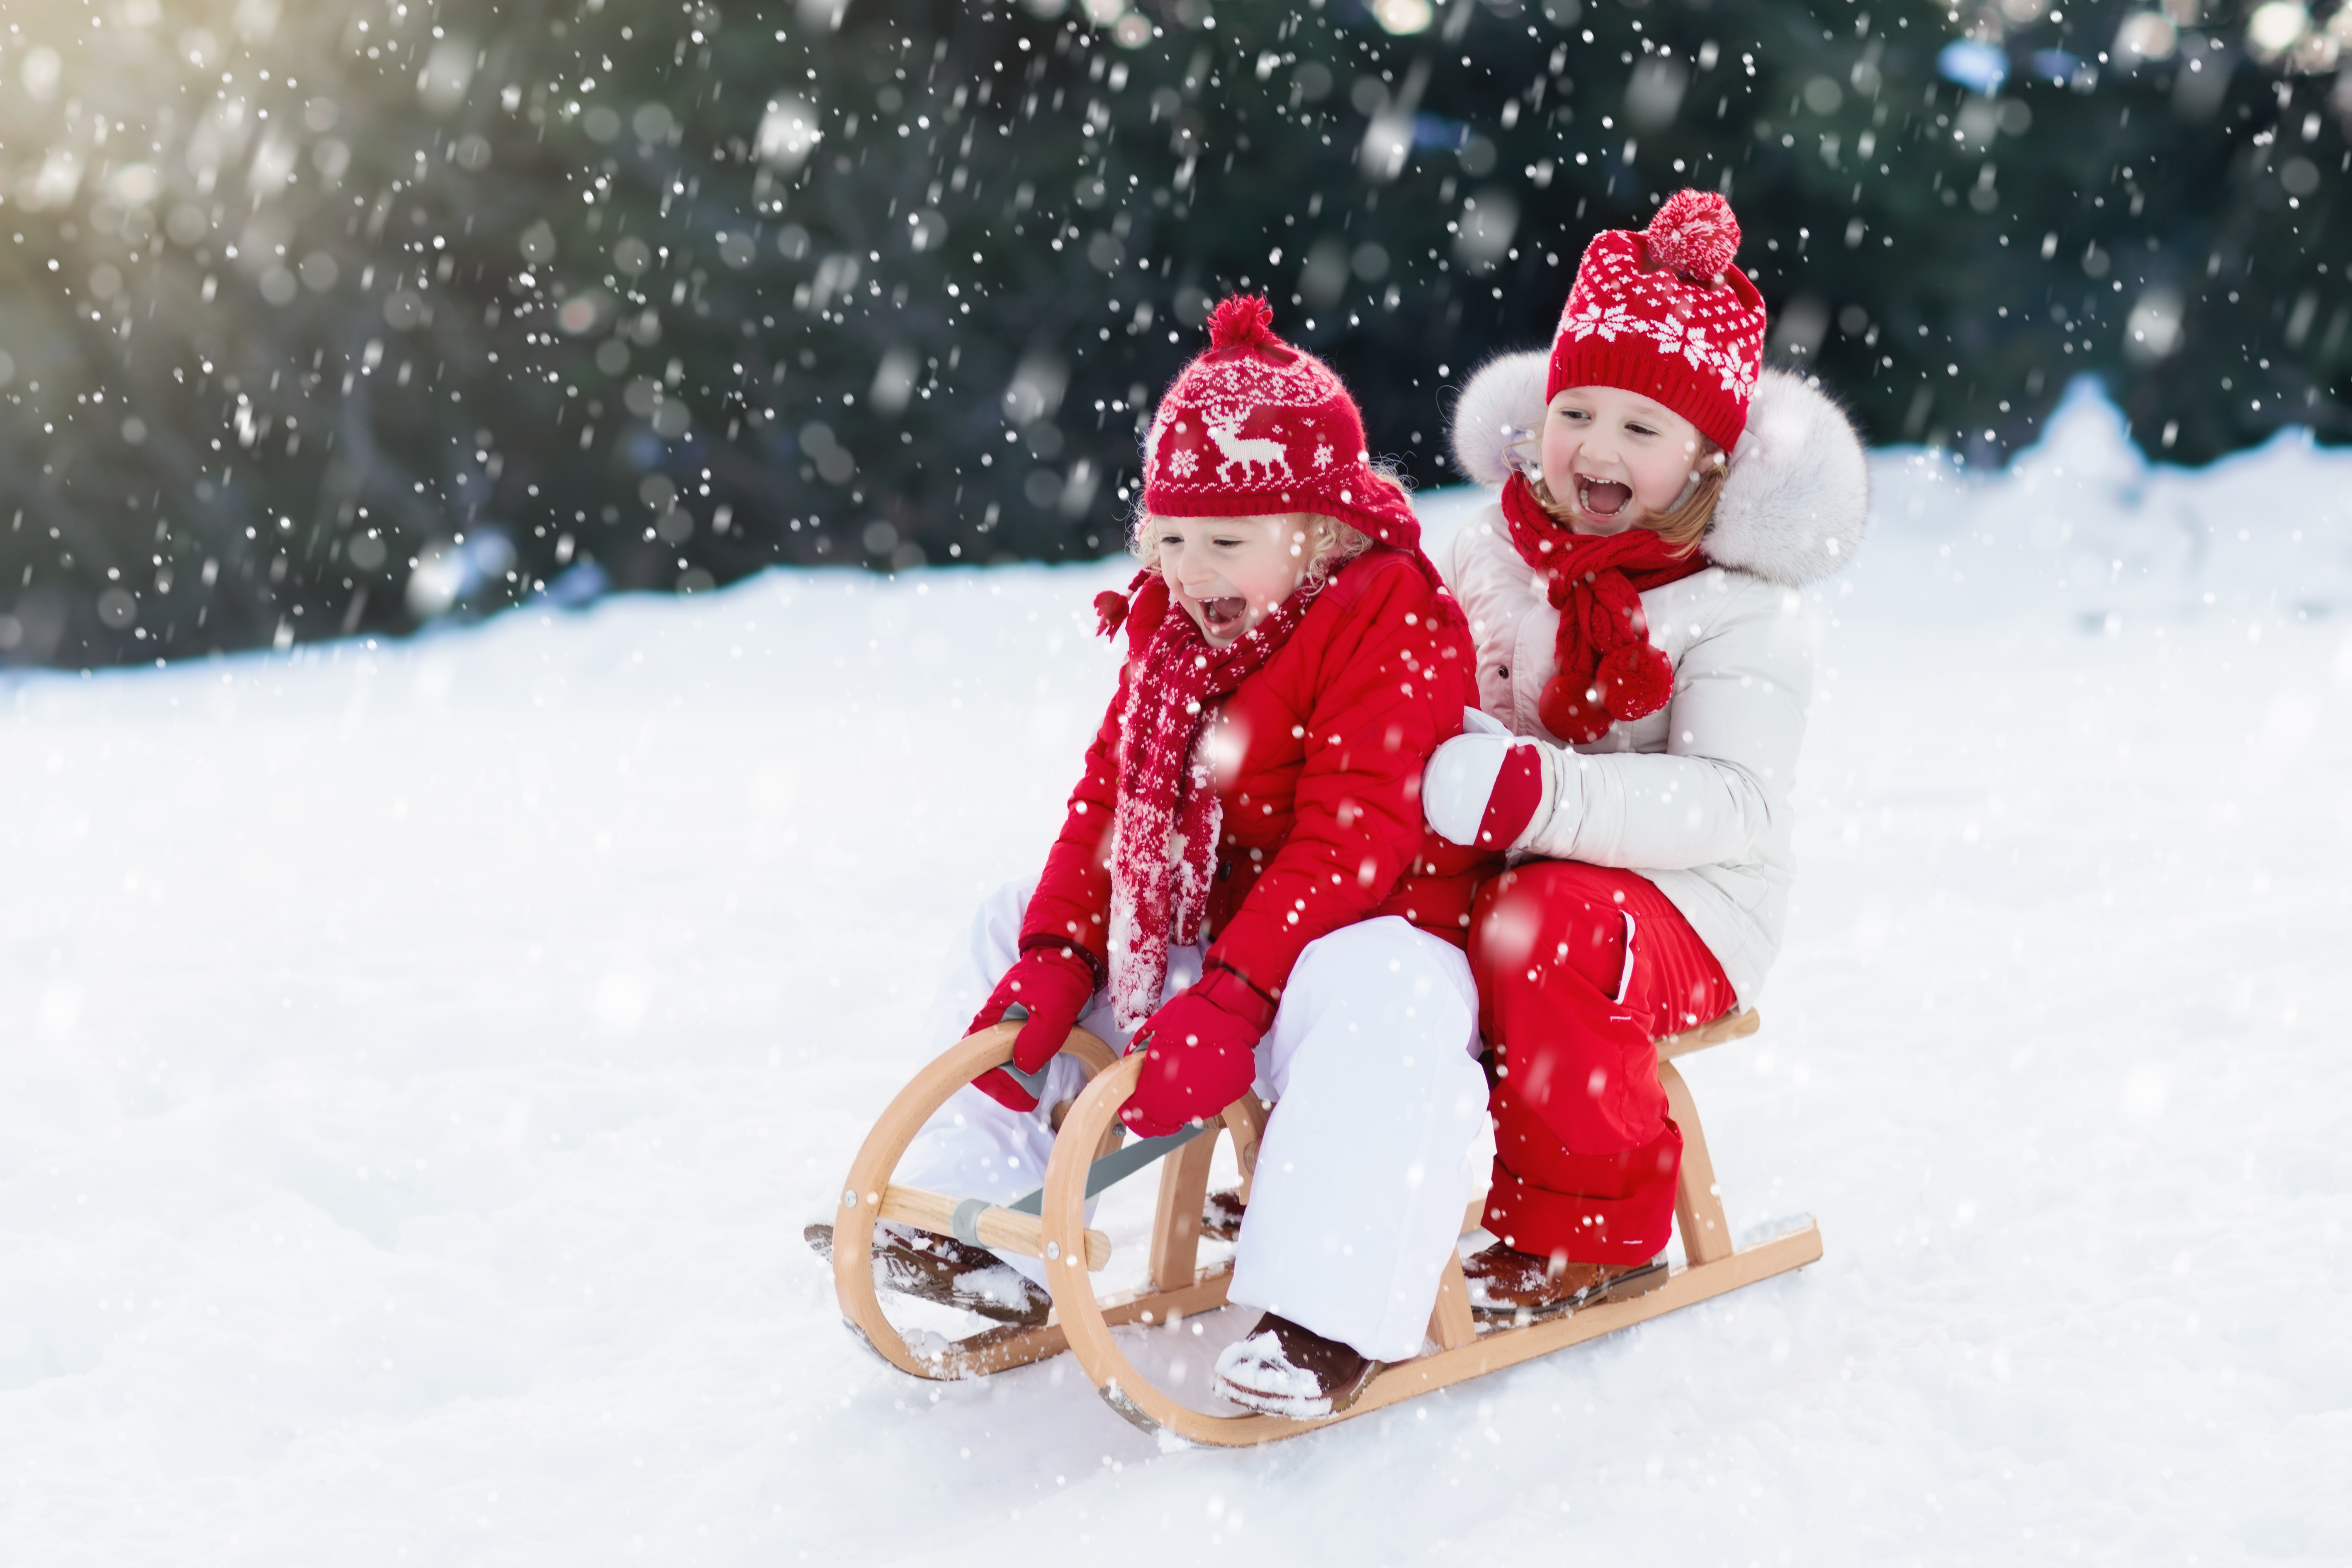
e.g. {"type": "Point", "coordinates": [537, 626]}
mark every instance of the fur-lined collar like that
{"type": "Point", "coordinates": [1794, 506]}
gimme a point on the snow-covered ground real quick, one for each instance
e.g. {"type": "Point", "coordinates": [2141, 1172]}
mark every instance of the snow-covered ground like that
{"type": "Point", "coordinates": [417, 1062]}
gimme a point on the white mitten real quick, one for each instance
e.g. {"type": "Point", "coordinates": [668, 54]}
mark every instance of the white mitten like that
{"type": "Point", "coordinates": [1487, 790]}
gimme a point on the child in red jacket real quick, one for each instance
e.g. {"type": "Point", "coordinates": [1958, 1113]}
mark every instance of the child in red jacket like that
{"type": "Point", "coordinates": [1243, 887]}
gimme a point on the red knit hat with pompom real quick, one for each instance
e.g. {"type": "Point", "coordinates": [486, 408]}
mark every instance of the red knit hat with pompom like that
{"type": "Point", "coordinates": [1665, 314]}
{"type": "Point", "coordinates": [1254, 427]}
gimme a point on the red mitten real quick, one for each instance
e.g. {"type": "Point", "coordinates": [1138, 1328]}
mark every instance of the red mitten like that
{"type": "Point", "coordinates": [1054, 984]}
{"type": "Point", "coordinates": [1199, 1054]}
{"type": "Point", "coordinates": [1484, 790]}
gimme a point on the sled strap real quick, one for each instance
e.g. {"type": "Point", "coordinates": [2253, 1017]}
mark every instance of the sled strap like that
{"type": "Point", "coordinates": [965, 1222]}
{"type": "Point", "coordinates": [1035, 1082]}
{"type": "Point", "coordinates": [1118, 1164]}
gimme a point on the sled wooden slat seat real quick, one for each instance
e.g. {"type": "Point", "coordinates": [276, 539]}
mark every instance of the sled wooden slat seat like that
{"type": "Point", "coordinates": [1176, 1288]}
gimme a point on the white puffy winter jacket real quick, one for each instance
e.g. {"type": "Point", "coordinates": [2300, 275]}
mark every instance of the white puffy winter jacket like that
{"type": "Point", "coordinates": [1695, 796]}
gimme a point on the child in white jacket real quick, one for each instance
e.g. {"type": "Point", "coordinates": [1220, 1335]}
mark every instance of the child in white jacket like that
{"type": "Point", "coordinates": [1635, 599]}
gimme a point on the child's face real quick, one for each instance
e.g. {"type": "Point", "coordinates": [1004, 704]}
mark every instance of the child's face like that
{"type": "Point", "coordinates": [1229, 572]}
{"type": "Point", "coordinates": [1616, 458]}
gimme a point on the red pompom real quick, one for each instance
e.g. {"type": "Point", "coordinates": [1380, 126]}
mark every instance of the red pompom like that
{"type": "Point", "coordinates": [1111, 605]}
{"type": "Point", "coordinates": [1635, 679]}
{"type": "Point", "coordinates": [1569, 711]}
{"type": "Point", "coordinates": [1695, 234]}
{"type": "Point", "coordinates": [1243, 322]}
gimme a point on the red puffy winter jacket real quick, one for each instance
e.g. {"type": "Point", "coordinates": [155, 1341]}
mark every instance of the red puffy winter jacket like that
{"type": "Point", "coordinates": [1317, 762]}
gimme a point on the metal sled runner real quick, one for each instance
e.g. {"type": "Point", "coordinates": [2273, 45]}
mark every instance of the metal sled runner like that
{"type": "Point", "coordinates": [1087, 1157]}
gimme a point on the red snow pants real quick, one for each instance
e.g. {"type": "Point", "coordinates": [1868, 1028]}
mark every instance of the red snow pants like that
{"type": "Point", "coordinates": [1580, 970]}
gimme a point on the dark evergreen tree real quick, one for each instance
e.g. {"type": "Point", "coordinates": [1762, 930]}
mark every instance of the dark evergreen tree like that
{"type": "Point", "coordinates": [331, 319]}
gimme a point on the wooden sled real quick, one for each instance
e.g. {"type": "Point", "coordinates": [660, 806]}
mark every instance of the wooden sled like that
{"type": "Point", "coordinates": [1082, 1320]}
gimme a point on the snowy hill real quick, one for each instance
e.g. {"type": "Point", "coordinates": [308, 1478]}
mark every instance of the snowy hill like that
{"type": "Point", "coordinates": [416, 1063]}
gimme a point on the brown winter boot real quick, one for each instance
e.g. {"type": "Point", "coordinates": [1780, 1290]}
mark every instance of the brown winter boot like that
{"type": "Point", "coordinates": [1220, 1214]}
{"type": "Point", "coordinates": [941, 1269]}
{"type": "Point", "coordinates": [1507, 1283]}
{"type": "Point", "coordinates": [1281, 1369]}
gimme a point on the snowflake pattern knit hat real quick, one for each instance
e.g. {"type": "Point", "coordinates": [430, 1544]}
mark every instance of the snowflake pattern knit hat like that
{"type": "Point", "coordinates": [1254, 427]}
{"type": "Point", "coordinates": [1665, 314]}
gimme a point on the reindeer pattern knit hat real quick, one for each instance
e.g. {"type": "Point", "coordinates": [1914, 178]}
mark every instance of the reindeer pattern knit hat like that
{"type": "Point", "coordinates": [1663, 313]}
{"type": "Point", "coordinates": [1254, 427]}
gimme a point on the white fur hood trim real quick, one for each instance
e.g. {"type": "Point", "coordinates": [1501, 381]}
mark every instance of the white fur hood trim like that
{"type": "Point", "coordinates": [1796, 502]}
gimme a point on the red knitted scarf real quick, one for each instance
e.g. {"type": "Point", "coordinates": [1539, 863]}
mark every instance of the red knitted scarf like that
{"type": "Point", "coordinates": [1168, 820]}
{"type": "Point", "coordinates": [1608, 672]}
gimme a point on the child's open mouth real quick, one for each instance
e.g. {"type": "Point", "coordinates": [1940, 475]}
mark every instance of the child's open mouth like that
{"type": "Point", "coordinates": [1602, 499]}
{"type": "Point", "coordinates": [1221, 616]}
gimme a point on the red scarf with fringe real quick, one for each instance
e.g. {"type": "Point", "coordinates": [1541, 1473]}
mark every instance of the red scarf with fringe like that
{"type": "Point", "coordinates": [1168, 820]}
{"type": "Point", "coordinates": [1609, 673]}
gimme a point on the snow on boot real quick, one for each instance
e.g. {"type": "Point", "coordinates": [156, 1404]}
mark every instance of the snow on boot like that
{"type": "Point", "coordinates": [1507, 1283]}
{"type": "Point", "coordinates": [1281, 1369]}
{"type": "Point", "coordinates": [941, 1269]}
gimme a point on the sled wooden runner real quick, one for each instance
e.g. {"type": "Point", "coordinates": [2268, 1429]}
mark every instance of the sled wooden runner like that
{"type": "Point", "coordinates": [1177, 1288]}
{"type": "Point", "coordinates": [1082, 1321]}
{"type": "Point", "coordinates": [1714, 1267]}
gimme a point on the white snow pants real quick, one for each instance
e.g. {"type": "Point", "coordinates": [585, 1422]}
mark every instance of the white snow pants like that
{"type": "Point", "coordinates": [1379, 1138]}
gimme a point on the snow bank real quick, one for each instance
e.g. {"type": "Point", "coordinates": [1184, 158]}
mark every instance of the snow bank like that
{"type": "Point", "coordinates": [416, 1063]}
